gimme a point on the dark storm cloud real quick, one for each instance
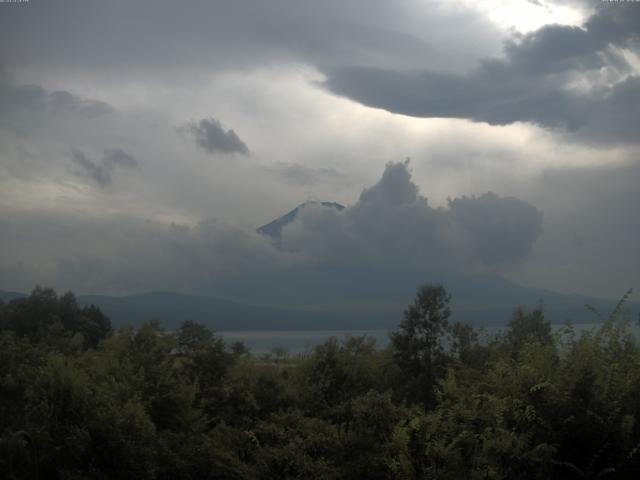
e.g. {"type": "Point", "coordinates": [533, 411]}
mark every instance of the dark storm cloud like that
{"type": "Point", "coordinates": [100, 172]}
{"type": "Point", "coordinates": [118, 158]}
{"type": "Point", "coordinates": [222, 34]}
{"type": "Point", "coordinates": [532, 83]}
{"type": "Point", "coordinates": [210, 135]}
{"type": "Point", "coordinates": [392, 224]}
{"type": "Point", "coordinates": [63, 101]}
{"type": "Point", "coordinates": [124, 254]}
{"type": "Point", "coordinates": [91, 169]}
{"type": "Point", "coordinates": [22, 102]}
{"type": "Point", "coordinates": [496, 229]}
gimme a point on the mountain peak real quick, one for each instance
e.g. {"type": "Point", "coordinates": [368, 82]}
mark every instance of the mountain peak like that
{"type": "Point", "coordinates": [274, 229]}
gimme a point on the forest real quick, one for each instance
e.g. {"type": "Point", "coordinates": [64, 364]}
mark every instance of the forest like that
{"type": "Point", "coordinates": [80, 400]}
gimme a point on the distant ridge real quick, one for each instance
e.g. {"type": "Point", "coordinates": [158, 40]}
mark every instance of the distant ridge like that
{"type": "Point", "coordinates": [8, 296]}
{"type": "Point", "coordinates": [174, 308]}
{"type": "Point", "coordinates": [274, 229]}
{"type": "Point", "coordinates": [220, 315]}
{"type": "Point", "coordinates": [329, 297]}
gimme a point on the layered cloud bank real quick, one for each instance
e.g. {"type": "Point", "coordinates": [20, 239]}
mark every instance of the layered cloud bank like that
{"type": "Point", "coordinates": [391, 226]}
{"type": "Point", "coordinates": [124, 124]}
{"type": "Point", "coordinates": [559, 76]}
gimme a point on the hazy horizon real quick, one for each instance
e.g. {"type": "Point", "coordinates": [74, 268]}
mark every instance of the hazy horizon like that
{"type": "Point", "coordinates": [142, 143]}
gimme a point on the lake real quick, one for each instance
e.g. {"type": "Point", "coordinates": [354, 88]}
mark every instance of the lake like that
{"type": "Point", "coordinates": [297, 341]}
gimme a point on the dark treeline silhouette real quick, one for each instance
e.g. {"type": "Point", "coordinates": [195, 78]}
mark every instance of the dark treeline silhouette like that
{"type": "Point", "coordinates": [79, 400]}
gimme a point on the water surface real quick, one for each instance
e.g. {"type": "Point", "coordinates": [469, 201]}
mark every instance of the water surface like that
{"type": "Point", "coordinates": [297, 341]}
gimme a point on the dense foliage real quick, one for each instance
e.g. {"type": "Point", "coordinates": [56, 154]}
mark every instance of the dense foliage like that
{"type": "Point", "coordinates": [78, 400]}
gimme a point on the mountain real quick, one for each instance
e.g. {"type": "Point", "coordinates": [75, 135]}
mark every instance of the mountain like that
{"type": "Point", "coordinates": [173, 308]}
{"type": "Point", "coordinates": [274, 229]}
{"type": "Point", "coordinates": [332, 297]}
{"type": "Point", "coordinates": [477, 298]}
{"type": "Point", "coordinates": [486, 299]}
{"type": "Point", "coordinates": [8, 296]}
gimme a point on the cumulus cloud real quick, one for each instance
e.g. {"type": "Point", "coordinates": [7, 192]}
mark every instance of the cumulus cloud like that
{"type": "Point", "coordinates": [392, 224]}
{"type": "Point", "coordinates": [124, 254]}
{"type": "Point", "coordinates": [256, 64]}
{"type": "Point", "coordinates": [210, 135]}
{"type": "Point", "coordinates": [390, 227]}
{"type": "Point", "coordinates": [117, 157]}
{"type": "Point", "coordinates": [19, 104]}
{"type": "Point", "coordinates": [100, 172]}
{"type": "Point", "coordinates": [574, 78]}
{"type": "Point", "coordinates": [90, 169]}
{"type": "Point", "coordinates": [494, 229]}
{"type": "Point", "coordinates": [395, 188]}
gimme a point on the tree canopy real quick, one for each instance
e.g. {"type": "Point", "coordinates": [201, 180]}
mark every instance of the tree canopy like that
{"type": "Point", "coordinates": [441, 401]}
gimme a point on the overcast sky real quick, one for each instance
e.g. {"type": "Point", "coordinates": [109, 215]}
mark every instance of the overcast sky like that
{"type": "Point", "coordinates": [142, 142]}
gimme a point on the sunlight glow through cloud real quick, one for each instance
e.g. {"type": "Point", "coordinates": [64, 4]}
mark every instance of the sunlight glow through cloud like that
{"type": "Point", "coordinates": [527, 15]}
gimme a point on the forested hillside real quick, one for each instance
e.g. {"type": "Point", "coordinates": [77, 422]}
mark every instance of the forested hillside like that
{"type": "Point", "coordinates": [81, 400]}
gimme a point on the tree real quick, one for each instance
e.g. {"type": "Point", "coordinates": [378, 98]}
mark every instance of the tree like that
{"type": "Point", "coordinates": [193, 337]}
{"type": "Point", "coordinates": [45, 316]}
{"type": "Point", "coordinates": [465, 345]}
{"type": "Point", "coordinates": [526, 327]}
{"type": "Point", "coordinates": [418, 343]}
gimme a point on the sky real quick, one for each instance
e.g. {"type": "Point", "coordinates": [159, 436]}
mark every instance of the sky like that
{"type": "Point", "coordinates": [143, 142]}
